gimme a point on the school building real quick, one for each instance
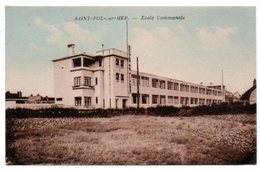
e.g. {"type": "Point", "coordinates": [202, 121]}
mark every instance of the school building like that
{"type": "Point", "coordinates": [105, 80]}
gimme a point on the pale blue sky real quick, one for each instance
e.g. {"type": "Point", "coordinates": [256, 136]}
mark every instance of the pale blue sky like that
{"type": "Point", "coordinates": [195, 49]}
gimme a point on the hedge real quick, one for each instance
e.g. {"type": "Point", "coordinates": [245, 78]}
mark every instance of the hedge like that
{"type": "Point", "coordinates": [169, 111]}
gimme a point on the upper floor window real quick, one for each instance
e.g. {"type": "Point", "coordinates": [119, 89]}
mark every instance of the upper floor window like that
{"type": "Point", "coordinates": [87, 81]}
{"type": "Point", "coordinates": [117, 77]}
{"type": "Point", "coordinates": [122, 63]}
{"type": "Point", "coordinates": [155, 83]}
{"type": "Point", "coordinates": [145, 81]}
{"type": "Point", "coordinates": [117, 61]}
{"type": "Point", "coordinates": [122, 78]}
{"type": "Point", "coordinates": [77, 81]}
{"type": "Point", "coordinates": [76, 62]}
{"type": "Point", "coordinates": [96, 81]}
{"type": "Point", "coordinates": [162, 84]}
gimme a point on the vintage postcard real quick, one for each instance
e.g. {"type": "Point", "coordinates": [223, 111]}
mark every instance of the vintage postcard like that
{"type": "Point", "coordinates": [130, 85]}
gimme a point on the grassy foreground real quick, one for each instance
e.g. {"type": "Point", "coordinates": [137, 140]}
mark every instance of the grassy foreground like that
{"type": "Point", "coordinates": [219, 139]}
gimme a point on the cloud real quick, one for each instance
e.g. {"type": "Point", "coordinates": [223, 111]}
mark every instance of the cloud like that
{"type": "Point", "coordinates": [38, 22]}
{"type": "Point", "coordinates": [55, 35]}
{"type": "Point", "coordinates": [68, 32]}
{"type": "Point", "coordinates": [215, 36]}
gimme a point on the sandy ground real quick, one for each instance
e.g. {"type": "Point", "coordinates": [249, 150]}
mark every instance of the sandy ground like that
{"type": "Point", "coordinates": [225, 139]}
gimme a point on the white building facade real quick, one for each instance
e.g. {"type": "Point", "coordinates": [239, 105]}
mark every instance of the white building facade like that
{"type": "Point", "coordinates": [105, 80]}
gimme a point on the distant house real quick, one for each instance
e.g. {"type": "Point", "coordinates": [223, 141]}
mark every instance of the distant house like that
{"type": "Point", "coordinates": [14, 100]}
{"type": "Point", "coordinates": [16, 97]}
{"type": "Point", "coordinates": [250, 95]}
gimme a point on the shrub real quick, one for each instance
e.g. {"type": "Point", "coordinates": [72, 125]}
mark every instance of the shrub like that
{"type": "Point", "coordinates": [235, 108]}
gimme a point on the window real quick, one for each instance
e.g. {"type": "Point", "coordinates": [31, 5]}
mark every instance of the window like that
{"type": "Point", "coordinates": [87, 101]}
{"type": "Point", "coordinates": [184, 88]}
{"type": "Point", "coordinates": [100, 63]}
{"type": "Point", "coordinates": [162, 84]}
{"type": "Point", "coordinates": [117, 77]}
{"type": "Point", "coordinates": [170, 99]}
{"type": "Point", "coordinates": [162, 100]}
{"type": "Point", "coordinates": [117, 62]}
{"type": "Point", "coordinates": [145, 81]}
{"type": "Point", "coordinates": [77, 62]}
{"type": "Point", "coordinates": [176, 86]}
{"type": "Point", "coordinates": [201, 101]}
{"type": "Point", "coordinates": [170, 85]}
{"type": "Point", "coordinates": [194, 89]}
{"type": "Point", "coordinates": [77, 81]}
{"type": "Point", "coordinates": [155, 99]}
{"type": "Point", "coordinates": [96, 80]}
{"type": "Point", "coordinates": [59, 99]}
{"type": "Point", "coordinates": [145, 99]}
{"type": "Point", "coordinates": [134, 96]}
{"type": "Point", "coordinates": [87, 81]}
{"type": "Point", "coordinates": [176, 100]}
{"type": "Point", "coordinates": [134, 80]}
{"type": "Point", "coordinates": [208, 92]}
{"type": "Point", "coordinates": [155, 83]}
{"type": "Point", "coordinates": [96, 100]}
{"type": "Point", "coordinates": [77, 101]}
{"type": "Point", "coordinates": [122, 63]}
{"type": "Point", "coordinates": [122, 78]}
{"type": "Point", "coordinates": [201, 90]}
{"type": "Point", "coordinates": [184, 101]}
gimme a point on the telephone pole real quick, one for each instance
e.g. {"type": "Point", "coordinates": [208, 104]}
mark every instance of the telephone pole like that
{"type": "Point", "coordinates": [138, 83]}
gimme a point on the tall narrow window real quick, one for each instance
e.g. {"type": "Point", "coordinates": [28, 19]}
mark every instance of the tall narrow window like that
{"type": "Point", "coordinates": [117, 62]}
{"type": "Point", "coordinates": [77, 81]}
{"type": "Point", "coordinates": [117, 77]}
{"type": "Point", "coordinates": [96, 81]}
{"type": "Point", "coordinates": [122, 63]}
{"type": "Point", "coordinates": [96, 100]}
{"type": "Point", "coordinates": [122, 78]}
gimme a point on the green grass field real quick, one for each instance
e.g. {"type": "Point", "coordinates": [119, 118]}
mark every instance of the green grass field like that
{"type": "Point", "coordinates": [225, 139]}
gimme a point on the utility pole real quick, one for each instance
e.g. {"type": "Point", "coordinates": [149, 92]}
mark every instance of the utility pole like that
{"type": "Point", "coordinates": [222, 87]}
{"type": "Point", "coordinates": [138, 83]}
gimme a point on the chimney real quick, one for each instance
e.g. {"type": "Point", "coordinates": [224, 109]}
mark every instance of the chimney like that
{"type": "Point", "coordinates": [71, 48]}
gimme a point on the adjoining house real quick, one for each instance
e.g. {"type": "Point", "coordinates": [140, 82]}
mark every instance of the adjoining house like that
{"type": "Point", "coordinates": [250, 95]}
{"type": "Point", "coordinates": [105, 80]}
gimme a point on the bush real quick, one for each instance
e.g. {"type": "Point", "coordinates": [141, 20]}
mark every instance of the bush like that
{"type": "Point", "coordinates": [235, 108]}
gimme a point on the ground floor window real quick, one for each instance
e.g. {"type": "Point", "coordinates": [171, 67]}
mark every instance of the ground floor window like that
{"type": "Point", "coordinates": [145, 99]}
{"type": "Point", "coordinates": [77, 101]}
{"type": "Point", "coordinates": [184, 101]}
{"type": "Point", "coordinates": [201, 101]}
{"type": "Point", "coordinates": [155, 99]}
{"type": "Point", "coordinates": [162, 100]}
{"type": "Point", "coordinates": [134, 96]}
{"type": "Point", "coordinates": [176, 100]}
{"type": "Point", "coordinates": [87, 101]}
{"type": "Point", "coordinates": [170, 99]}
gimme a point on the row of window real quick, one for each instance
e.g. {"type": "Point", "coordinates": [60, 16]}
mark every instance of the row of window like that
{"type": "Point", "coordinates": [161, 99]}
{"type": "Point", "coordinates": [87, 101]}
{"type": "Point", "coordinates": [86, 82]}
{"type": "Point", "coordinates": [156, 83]}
